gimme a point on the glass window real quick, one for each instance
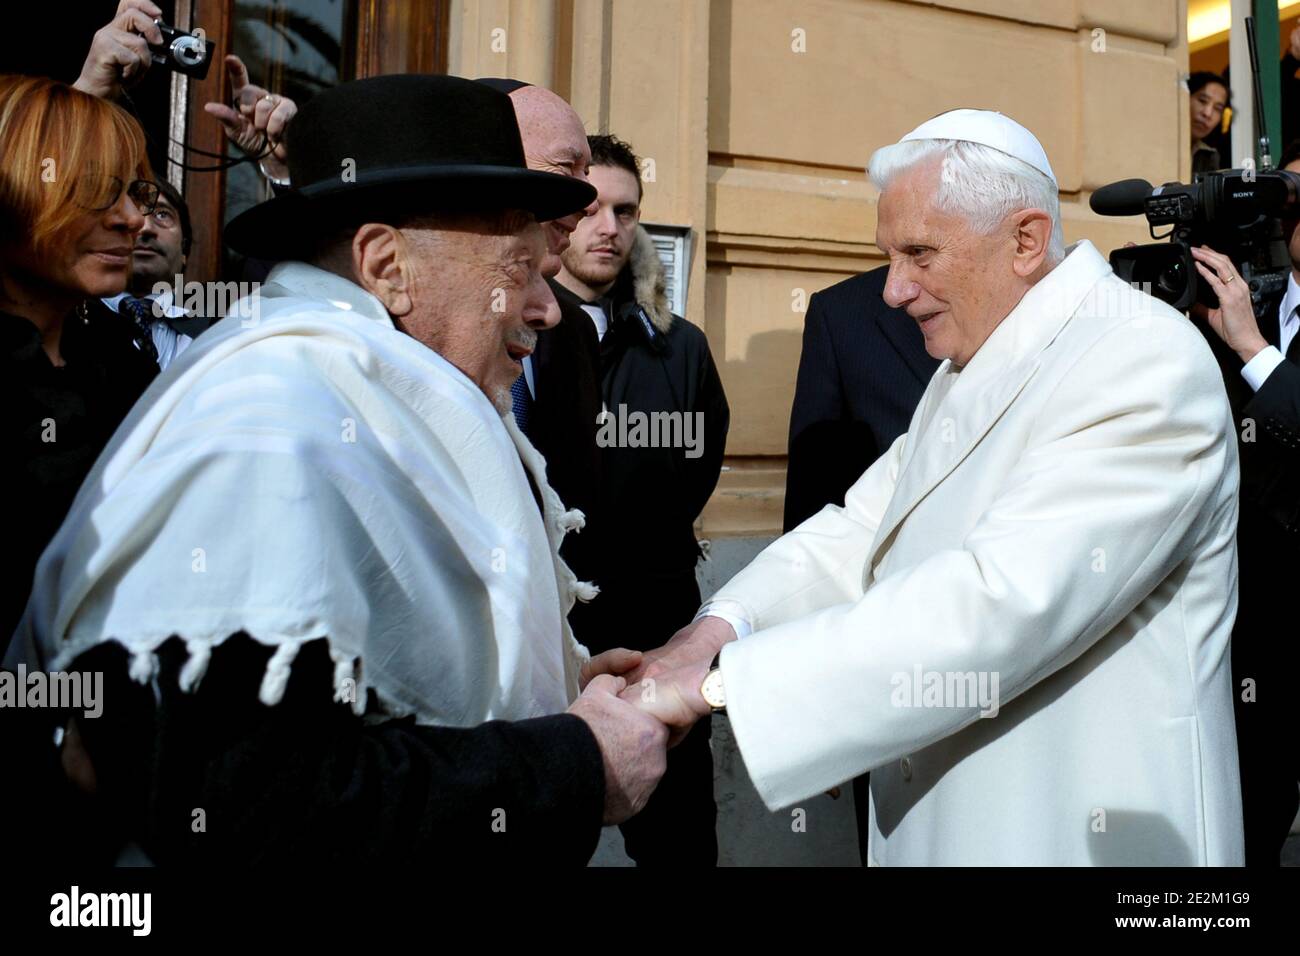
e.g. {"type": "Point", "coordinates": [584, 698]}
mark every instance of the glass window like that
{"type": "Point", "coordinates": [292, 47]}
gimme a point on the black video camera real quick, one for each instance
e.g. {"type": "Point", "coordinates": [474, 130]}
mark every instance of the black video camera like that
{"type": "Point", "coordinates": [1238, 212]}
{"type": "Point", "coordinates": [188, 53]}
{"type": "Point", "coordinates": [1246, 215]}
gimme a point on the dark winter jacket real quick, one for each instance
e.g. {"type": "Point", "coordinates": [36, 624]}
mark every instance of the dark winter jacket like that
{"type": "Point", "coordinates": [652, 363]}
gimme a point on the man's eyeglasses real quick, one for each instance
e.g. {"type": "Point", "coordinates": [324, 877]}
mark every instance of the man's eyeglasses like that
{"type": "Point", "coordinates": [141, 192]}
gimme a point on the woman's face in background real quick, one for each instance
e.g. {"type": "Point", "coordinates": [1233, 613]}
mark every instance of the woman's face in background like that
{"type": "Point", "coordinates": [91, 258]}
{"type": "Point", "coordinates": [1207, 105]}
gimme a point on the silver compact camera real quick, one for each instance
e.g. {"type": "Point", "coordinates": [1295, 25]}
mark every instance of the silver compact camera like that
{"type": "Point", "coordinates": [183, 52]}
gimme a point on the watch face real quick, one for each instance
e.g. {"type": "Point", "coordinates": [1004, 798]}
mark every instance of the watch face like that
{"type": "Point", "coordinates": [712, 690]}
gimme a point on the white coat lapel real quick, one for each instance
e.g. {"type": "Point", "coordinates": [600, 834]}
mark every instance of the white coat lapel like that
{"type": "Point", "coordinates": [961, 406]}
{"type": "Point", "coordinates": [953, 430]}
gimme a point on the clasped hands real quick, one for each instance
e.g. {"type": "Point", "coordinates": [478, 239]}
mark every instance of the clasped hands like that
{"type": "Point", "coordinates": [637, 705]}
{"type": "Point", "coordinates": [665, 682]}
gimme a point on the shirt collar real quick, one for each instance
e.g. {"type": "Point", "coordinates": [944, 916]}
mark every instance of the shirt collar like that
{"type": "Point", "coordinates": [1289, 301]}
{"type": "Point", "coordinates": [164, 300]}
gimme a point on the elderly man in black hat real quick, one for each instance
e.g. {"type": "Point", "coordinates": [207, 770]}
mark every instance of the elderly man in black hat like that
{"type": "Point", "coordinates": [344, 627]}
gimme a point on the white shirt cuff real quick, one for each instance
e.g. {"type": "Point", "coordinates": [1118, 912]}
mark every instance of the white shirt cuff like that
{"type": "Point", "coordinates": [1258, 369]}
{"type": "Point", "coordinates": [731, 612]}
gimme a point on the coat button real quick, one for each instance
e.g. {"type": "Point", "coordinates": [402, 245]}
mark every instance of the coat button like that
{"type": "Point", "coordinates": [905, 765]}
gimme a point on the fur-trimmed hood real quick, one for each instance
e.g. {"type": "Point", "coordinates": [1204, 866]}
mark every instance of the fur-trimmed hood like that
{"type": "Point", "coordinates": [649, 284]}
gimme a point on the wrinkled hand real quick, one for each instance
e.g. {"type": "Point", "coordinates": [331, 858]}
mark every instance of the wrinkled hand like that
{"type": "Point", "coordinates": [119, 53]}
{"type": "Point", "coordinates": [615, 662]}
{"type": "Point", "coordinates": [633, 744]}
{"type": "Point", "coordinates": [673, 697]}
{"type": "Point", "coordinates": [255, 119]}
{"type": "Point", "coordinates": [1234, 319]}
{"type": "Point", "coordinates": [698, 641]}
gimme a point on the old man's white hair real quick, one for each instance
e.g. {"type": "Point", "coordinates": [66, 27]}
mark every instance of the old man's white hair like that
{"type": "Point", "coordinates": [980, 179]}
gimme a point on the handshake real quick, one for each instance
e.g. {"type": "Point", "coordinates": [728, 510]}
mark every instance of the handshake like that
{"type": "Point", "coordinates": [639, 705]}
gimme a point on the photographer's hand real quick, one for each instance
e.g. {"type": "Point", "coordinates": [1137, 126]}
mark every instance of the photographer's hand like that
{"type": "Point", "coordinates": [119, 54]}
{"type": "Point", "coordinates": [255, 120]}
{"type": "Point", "coordinates": [1234, 319]}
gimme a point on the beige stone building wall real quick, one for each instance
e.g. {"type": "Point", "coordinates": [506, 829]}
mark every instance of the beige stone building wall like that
{"type": "Point", "coordinates": [760, 116]}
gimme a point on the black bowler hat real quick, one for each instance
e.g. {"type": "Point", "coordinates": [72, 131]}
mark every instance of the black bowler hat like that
{"type": "Point", "coordinates": [400, 144]}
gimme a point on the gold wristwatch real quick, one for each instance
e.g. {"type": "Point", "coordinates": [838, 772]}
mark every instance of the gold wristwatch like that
{"type": "Point", "coordinates": [714, 694]}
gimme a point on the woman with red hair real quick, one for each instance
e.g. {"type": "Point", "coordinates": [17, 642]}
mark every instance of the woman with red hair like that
{"type": "Point", "coordinates": [75, 186]}
{"type": "Point", "coordinates": [74, 189]}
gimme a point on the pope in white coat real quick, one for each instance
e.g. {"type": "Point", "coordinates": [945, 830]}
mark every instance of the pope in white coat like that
{"type": "Point", "coordinates": [1019, 621]}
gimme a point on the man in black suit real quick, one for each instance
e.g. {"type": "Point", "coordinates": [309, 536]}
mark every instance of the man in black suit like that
{"type": "Point", "coordinates": [861, 374]}
{"type": "Point", "coordinates": [1260, 361]}
{"type": "Point", "coordinates": [557, 399]}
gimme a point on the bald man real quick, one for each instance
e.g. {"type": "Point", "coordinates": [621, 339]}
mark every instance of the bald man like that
{"type": "Point", "coordinates": [557, 399]}
{"type": "Point", "coordinates": [678, 828]}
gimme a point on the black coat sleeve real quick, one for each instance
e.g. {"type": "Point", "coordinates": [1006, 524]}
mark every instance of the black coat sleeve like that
{"type": "Point", "coordinates": [711, 401]}
{"type": "Point", "coordinates": [1271, 464]}
{"type": "Point", "coordinates": [828, 451]}
{"type": "Point", "coordinates": [307, 781]}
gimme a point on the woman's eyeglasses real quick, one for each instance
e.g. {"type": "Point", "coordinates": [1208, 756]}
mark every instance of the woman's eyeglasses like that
{"type": "Point", "coordinates": [141, 192]}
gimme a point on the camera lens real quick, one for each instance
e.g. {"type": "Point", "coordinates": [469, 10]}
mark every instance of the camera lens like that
{"type": "Point", "coordinates": [1172, 279]}
{"type": "Point", "coordinates": [188, 50]}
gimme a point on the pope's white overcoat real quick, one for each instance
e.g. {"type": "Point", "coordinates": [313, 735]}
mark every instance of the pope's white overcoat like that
{"type": "Point", "coordinates": [1060, 517]}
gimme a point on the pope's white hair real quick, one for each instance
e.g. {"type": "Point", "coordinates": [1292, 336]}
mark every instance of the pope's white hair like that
{"type": "Point", "coordinates": [977, 182]}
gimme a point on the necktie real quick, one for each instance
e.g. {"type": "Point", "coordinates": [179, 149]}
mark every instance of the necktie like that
{"type": "Point", "coordinates": [521, 403]}
{"type": "Point", "coordinates": [140, 311]}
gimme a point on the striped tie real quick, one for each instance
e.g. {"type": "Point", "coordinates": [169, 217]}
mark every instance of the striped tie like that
{"type": "Point", "coordinates": [521, 402]}
{"type": "Point", "coordinates": [140, 311]}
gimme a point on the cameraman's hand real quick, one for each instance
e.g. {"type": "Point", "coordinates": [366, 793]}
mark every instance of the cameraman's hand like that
{"type": "Point", "coordinates": [119, 54]}
{"type": "Point", "coordinates": [255, 119]}
{"type": "Point", "coordinates": [1234, 319]}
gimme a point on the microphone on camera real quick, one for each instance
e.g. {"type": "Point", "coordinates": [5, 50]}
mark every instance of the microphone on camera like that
{"type": "Point", "coordinates": [1124, 198]}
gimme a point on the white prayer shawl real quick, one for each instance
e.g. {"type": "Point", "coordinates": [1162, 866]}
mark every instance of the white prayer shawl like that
{"type": "Point", "coordinates": [315, 473]}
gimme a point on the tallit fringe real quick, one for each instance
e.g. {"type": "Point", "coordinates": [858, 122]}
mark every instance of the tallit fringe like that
{"type": "Point", "coordinates": [347, 688]}
{"type": "Point", "coordinates": [276, 678]}
{"type": "Point", "coordinates": [557, 522]}
{"type": "Point", "coordinates": [144, 666]}
{"type": "Point", "coordinates": [196, 666]}
{"type": "Point", "coordinates": [572, 520]}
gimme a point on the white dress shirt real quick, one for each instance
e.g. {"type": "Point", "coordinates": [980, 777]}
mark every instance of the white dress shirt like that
{"type": "Point", "coordinates": [1258, 369]}
{"type": "Point", "coordinates": [528, 376]}
{"type": "Point", "coordinates": [598, 317]}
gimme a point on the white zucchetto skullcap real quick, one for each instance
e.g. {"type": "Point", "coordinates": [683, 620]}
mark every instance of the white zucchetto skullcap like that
{"type": "Point", "coordinates": [988, 129]}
